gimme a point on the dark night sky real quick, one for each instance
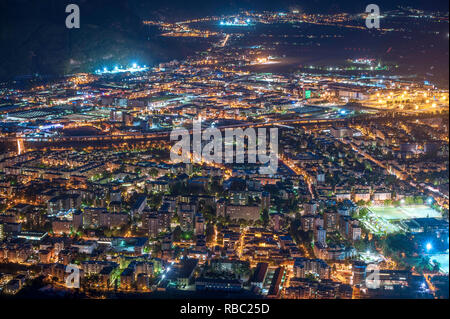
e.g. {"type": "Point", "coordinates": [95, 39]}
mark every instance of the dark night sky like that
{"type": "Point", "coordinates": [33, 38]}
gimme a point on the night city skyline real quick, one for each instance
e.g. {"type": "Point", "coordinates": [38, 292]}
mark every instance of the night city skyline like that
{"type": "Point", "coordinates": [238, 150]}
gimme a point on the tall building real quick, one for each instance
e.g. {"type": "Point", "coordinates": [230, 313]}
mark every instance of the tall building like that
{"type": "Point", "coordinates": [153, 225]}
{"type": "Point", "coordinates": [307, 222]}
{"type": "Point", "coordinates": [310, 208]}
{"type": "Point", "coordinates": [321, 235]}
{"type": "Point", "coordinates": [199, 224]}
{"type": "Point", "coordinates": [115, 116]}
{"type": "Point", "coordinates": [139, 205]}
{"type": "Point", "coordinates": [164, 218]}
{"type": "Point", "coordinates": [237, 212]}
{"type": "Point", "coordinates": [221, 207]}
{"type": "Point", "coordinates": [330, 220]}
{"type": "Point", "coordinates": [304, 266]}
{"type": "Point", "coordinates": [265, 200]}
{"type": "Point", "coordinates": [186, 213]}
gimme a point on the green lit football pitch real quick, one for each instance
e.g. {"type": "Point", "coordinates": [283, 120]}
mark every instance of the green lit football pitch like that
{"type": "Point", "coordinates": [404, 212]}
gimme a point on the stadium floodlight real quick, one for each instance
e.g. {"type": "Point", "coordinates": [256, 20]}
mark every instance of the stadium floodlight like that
{"type": "Point", "coordinates": [429, 246]}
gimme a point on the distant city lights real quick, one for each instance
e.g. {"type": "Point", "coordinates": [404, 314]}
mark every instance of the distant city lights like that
{"type": "Point", "coordinates": [268, 60]}
{"type": "Point", "coordinates": [118, 69]}
{"type": "Point", "coordinates": [236, 23]}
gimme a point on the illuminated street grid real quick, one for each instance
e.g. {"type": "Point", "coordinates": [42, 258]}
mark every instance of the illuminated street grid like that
{"type": "Point", "coordinates": [87, 180]}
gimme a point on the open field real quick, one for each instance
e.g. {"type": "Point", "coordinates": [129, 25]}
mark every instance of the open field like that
{"type": "Point", "coordinates": [383, 220]}
{"type": "Point", "coordinates": [404, 212]}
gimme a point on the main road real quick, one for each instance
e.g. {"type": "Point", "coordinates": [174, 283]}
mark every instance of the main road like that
{"type": "Point", "coordinates": [166, 133]}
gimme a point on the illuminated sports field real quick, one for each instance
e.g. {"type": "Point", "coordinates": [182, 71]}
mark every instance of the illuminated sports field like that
{"type": "Point", "coordinates": [405, 212]}
{"type": "Point", "coordinates": [442, 259]}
